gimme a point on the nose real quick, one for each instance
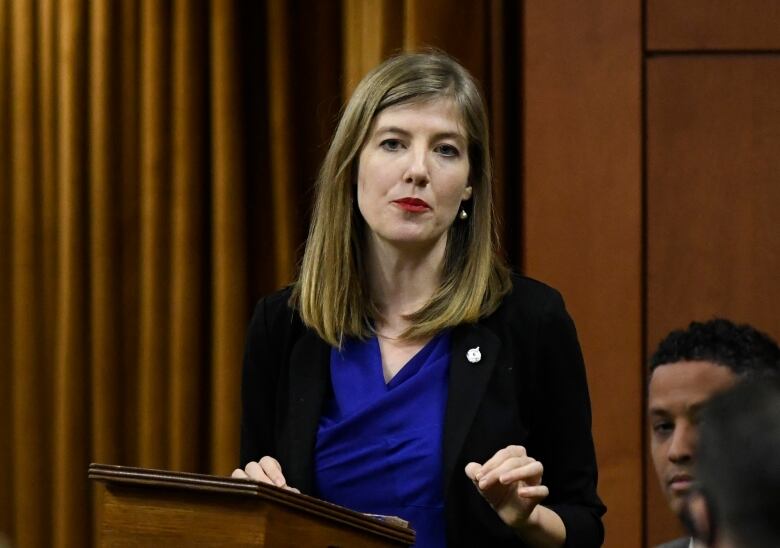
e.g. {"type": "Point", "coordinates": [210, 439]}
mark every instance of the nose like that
{"type": "Point", "coordinates": [683, 444]}
{"type": "Point", "coordinates": [417, 171]}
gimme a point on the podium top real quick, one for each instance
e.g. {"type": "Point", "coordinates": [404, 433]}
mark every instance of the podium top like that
{"type": "Point", "coordinates": [393, 527]}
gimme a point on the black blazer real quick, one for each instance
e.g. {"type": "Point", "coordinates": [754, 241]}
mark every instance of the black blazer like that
{"type": "Point", "coordinates": [528, 389]}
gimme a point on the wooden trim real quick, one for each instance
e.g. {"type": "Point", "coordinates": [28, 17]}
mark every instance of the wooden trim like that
{"type": "Point", "coordinates": [391, 527]}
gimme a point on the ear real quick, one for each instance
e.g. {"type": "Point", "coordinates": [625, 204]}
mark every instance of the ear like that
{"type": "Point", "coordinates": [466, 196]}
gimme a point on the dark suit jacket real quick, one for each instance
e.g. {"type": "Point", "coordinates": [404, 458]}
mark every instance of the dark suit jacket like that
{"type": "Point", "coordinates": [528, 389]}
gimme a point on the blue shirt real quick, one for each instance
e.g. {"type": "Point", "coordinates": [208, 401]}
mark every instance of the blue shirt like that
{"type": "Point", "coordinates": [379, 445]}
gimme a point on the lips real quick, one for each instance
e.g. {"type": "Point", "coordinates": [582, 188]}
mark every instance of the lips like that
{"type": "Point", "coordinates": [414, 205]}
{"type": "Point", "coordinates": [680, 483]}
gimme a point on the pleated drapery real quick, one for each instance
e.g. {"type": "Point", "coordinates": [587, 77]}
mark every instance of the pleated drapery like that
{"type": "Point", "coordinates": [156, 169]}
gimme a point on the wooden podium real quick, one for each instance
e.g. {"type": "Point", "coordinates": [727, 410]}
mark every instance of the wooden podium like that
{"type": "Point", "coordinates": [142, 507]}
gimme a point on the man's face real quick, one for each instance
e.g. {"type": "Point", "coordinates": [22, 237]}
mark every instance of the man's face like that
{"type": "Point", "coordinates": [676, 394]}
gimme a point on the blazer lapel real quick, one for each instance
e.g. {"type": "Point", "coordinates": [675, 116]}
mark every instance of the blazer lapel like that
{"type": "Point", "coordinates": [467, 384]}
{"type": "Point", "coordinates": [309, 381]}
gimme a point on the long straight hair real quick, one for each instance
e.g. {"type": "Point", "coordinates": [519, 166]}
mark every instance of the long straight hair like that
{"type": "Point", "coordinates": [331, 292]}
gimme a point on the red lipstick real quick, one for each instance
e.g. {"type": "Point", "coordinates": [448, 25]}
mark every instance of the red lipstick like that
{"type": "Point", "coordinates": [414, 205]}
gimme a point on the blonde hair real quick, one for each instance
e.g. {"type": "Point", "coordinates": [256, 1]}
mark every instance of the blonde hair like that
{"type": "Point", "coordinates": [331, 292]}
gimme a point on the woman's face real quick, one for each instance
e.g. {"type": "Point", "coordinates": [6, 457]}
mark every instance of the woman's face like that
{"type": "Point", "coordinates": [413, 173]}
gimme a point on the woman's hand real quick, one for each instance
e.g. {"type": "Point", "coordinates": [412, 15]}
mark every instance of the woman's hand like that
{"type": "Point", "coordinates": [266, 470]}
{"type": "Point", "coordinates": [511, 482]}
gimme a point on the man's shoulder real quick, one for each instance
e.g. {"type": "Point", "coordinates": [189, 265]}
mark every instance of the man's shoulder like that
{"type": "Point", "coordinates": [682, 542]}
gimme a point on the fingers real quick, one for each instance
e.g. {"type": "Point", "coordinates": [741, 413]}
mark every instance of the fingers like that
{"type": "Point", "coordinates": [510, 471]}
{"type": "Point", "coordinates": [529, 472]}
{"type": "Point", "coordinates": [538, 492]}
{"type": "Point", "coordinates": [508, 465]}
{"type": "Point", "coordinates": [472, 469]}
{"type": "Point", "coordinates": [511, 482]}
{"type": "Point", "coordinates": [266, 470]}
{"type": "Point", "coordinates": [273, 470]}
{"type": "Point", "coordinates": [260, 476]}
{"type": "Point", "coordinates": [524, 469]}
{"type": "Point", "coordinates": [502, 455]}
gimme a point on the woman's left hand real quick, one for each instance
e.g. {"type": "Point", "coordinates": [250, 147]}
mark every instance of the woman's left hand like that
{"type": "Point", "coordinates": [511, 482]}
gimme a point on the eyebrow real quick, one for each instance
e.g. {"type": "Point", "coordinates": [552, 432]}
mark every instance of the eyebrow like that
{"type": "Point", "coordinates": [658, 412]}
{"type": "Point", "coordinates": [439, 135]}
{"type": "Point", "coordinates": [696, 407]}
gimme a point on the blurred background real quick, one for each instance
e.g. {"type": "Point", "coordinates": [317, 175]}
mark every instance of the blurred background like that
{"type": "Point", "coordinates": [156, 169]}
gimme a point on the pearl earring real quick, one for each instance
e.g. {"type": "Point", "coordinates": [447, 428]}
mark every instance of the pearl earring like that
{"type": "Point", "coordinates": [463, 215]}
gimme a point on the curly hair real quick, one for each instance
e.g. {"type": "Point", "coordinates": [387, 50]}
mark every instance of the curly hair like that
{"type": "Point", "coordinates": [742, 348]}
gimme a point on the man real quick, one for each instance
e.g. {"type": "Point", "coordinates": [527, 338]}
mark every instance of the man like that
{"type": "Point", "coordinates": [737, 500]}
{"type": "Point", "coordinates": [689, 367]}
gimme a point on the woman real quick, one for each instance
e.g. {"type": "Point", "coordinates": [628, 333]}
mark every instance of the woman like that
{"type": "Point", "coordinates": [406, 371]}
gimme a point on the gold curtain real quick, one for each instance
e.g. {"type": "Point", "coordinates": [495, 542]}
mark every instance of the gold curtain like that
{"type": "Point", "coordinates": [156, 166]}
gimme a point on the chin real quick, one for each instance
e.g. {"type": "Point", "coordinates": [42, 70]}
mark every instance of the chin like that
{"type": "Point", "coordinates": [677, 503]}
{"type": "Point", "coordinates": [413, 239]}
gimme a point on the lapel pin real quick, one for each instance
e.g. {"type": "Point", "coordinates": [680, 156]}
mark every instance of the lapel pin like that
{"type": "Point", "coordinates": [474, 355]}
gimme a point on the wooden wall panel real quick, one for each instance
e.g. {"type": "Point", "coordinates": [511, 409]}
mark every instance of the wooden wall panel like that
{"type": "Point", "coordinates": [583, 221]}
{"type": "Point", "coordinates": [713, 192]}
{"type": "Point", "coordinates": [713, 24]}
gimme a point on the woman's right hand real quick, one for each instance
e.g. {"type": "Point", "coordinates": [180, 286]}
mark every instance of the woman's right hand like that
{"type": "Point", "coordinates": [266, 470]}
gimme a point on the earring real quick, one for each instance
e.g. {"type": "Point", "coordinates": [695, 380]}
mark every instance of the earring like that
{"type": "Point", "coordinates": [463, 215]}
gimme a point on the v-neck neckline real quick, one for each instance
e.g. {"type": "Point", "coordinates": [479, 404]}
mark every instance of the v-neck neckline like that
{"type": "Point", "coordinates": [412, 365]}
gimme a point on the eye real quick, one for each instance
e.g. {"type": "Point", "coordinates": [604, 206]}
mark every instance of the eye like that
{"type": "Point", "coordinates": [447, 150]}
{"type": "Point", "coordinates": [663, 428]}
{"type": "Point", "coordinates": [391, 144]}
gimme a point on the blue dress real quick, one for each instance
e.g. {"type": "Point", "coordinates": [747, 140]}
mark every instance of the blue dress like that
{"type": "Point", "coordinates": [379, 445]}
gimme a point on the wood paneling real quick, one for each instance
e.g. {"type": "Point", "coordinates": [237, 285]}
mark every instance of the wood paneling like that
{"type": "Point", "coordinates": [713, 191]}
{"type": "Point", "coordinates": [713, 24]}
{"type": "Point", "coordinates": [583, 222]}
